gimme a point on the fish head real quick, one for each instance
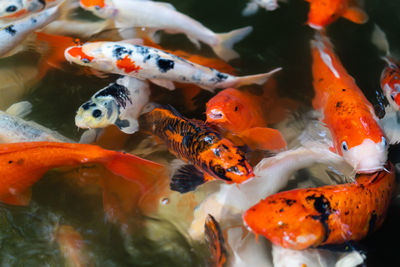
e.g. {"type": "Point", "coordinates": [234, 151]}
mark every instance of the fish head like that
{"type": "Point", "coordinates": [97, 113]}
{"type": "Point", "coordinates": [228, 111]}
{"type": "Point", "coordinates": [90, 55]}
{"type": "Point", "coordinates": [390, 84]}
{"type": "Point", "coordinates": [101, 8]}
{"type": "Point", "coordinates": [228, 163]}
{"type": "Point", "coordinates": [12, 9]}
{"type": "Point", "coordinates": [366, 157]}
{"type": "Point", "coordinates": [324, 12]}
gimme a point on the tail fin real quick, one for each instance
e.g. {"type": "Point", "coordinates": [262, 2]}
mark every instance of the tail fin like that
{"type": "Point", "coordinates": [259, 79]}
{"type": "Point", "coordinates": [143, 172]}
{"type": "Point", "coordinates": [379, 39]}
{"type": "Point", "coordinates": [215, 241]}
{"type": "Point", "coordinates": [224, 49]}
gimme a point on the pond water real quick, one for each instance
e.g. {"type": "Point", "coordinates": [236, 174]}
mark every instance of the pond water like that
{"type": "Point", "coordinates": [280, 38]}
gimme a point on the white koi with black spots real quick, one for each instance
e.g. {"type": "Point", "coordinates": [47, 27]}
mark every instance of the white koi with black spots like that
{"type": "Point", "coordinates": [156, 65]}
{"type": "Point", "coordinates": [14, 34]}
{"type": "Point", "coordinates": [163, 16]}
{"type": "Point", "coordinates": [119, 103]}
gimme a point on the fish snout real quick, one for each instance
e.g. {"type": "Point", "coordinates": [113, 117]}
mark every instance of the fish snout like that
{"type": "Point", "coordinates": [368, 157]}
{"type": "Point", "coordinates": [215, 115]}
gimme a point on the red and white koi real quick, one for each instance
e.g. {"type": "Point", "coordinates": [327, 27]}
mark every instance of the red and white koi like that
{"type": "Point", "coordinates": [156, 65]}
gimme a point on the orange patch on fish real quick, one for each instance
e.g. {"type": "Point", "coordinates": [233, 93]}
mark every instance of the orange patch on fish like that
{"type": "Point", "coordinates": [127, 65]}
{"type": "Point", "coordinates": [91, 3]}
{"type": "Point", "coordinates": [78, 52]}
{"type": "Point", "coordinates": [16, 15]}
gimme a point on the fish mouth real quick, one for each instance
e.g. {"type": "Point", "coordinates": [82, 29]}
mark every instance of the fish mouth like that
{"type": "Point", "coordinates": [315, 26]}
{"type": "Point", "coordinates": [215, 114]}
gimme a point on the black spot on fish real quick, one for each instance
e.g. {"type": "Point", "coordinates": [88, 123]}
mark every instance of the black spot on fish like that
{"type": "Point", "coordinates": [88, 105]}
{"type": "Point", "coordinates": [11, 9]}
{"type": "Point", "coordinates": [339, 104]}
{"type": "Point", "coordinates": [343, 90]}
{"type": "Point", "coordinates": [119, 51]}
{"type": "Point", "coordinates": [165, 64]}
{"type": "Point", "coordinates": [119, 92]}
{"type": "Point", "coordinates": [33, 20]}
{"type": "Point", "coordinates": [322, 206]}
{"type": "Point", "coordinates": [146, 58]}
{"type": "Point", "coordinates": [43, 2]}
{"type": "Point", "coordinates": [10, 30]}
{"type": "Point", "coordinates": [221, 77]}
{"type": "Point", "coordinates": [97, 113]}
{"type": "Point", "coordinates": [142, 50]}
{"type": "Point", "coordinates": [122, 123]}
{"type": "Point", "coordinates": [372, 222]}
{"type": "Point", "coordinates": [290, 202]}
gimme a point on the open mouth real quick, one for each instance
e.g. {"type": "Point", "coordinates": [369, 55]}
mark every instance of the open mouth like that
{"type": "Point", "coordinates": [216, 114]}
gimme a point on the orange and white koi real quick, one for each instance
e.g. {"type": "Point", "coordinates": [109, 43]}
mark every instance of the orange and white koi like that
{"type": "Point", "coordinates": [212, 157]}
{"type": "Point", "coordinates": [163, 16]}
{"type": "Point", "coordinates": [12, 10]}
{"type": "Point", "coordinates": [348, 115]}
{"type": "Point", "coordinates": [324, 12]}
{"type": "Point", "coordinates": [334, 214]}
{"type": "Point", "coordinates": [156, 65]}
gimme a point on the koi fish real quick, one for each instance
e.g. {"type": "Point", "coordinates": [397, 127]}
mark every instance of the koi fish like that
{"type": "Point", "coordinates": [14, 129]}
{"type": "Point", "coordinates": [390, 77]}
{"type": "Point", "coordinates": [324, 12]}
{"type": "Point", "coordinates": [71, 245]}
{"type": "Point", "coordinates": [163, 16]}
{"type": "Point", "coordinates": [158, 66]}
{"type": "Point", "coordinates": [12, 10]}
{"type": "Point", "coordinates": [253, 6]}
{"type": "Point", "coordinates": [119, 103]}
{"type": "Point", "coordinates": [22, 164]}
{"type": "Point", "coordinates": [334, 214]}
{"type": "Point", "coordinates": [348, 115]}
{"type": "Point", "coordinates": [212, 156]}
{"type": "Point", "coordinates": [14, 34]}
{"type": "Point", "coordinates": [244, 114]}
{"type": "Point", "coordinates": [215, 241]}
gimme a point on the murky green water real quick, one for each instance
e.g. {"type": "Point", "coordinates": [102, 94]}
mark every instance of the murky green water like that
{"type": "Point", "coordinates": [280, 38]}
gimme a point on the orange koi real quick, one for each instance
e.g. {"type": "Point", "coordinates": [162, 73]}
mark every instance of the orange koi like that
{"type": "Point", "coordinates": [193, 141]}
{"type": "Point", "coordinates": [215, 241]}
{"type": "Point", "coordinates": [247, 115]}
{"type": "Point", "coordinates": [334, 214]}
{"type": "Point", "coordinates": [346, 112]}
{"type": "Point", "coordinates": [324, 12]}
{"type": "Point", "coordinates": [22, 164]}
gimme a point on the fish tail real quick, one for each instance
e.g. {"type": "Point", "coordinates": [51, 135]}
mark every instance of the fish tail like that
{"type": "Point", "coordinates": [224, 49]}
{"type": "Point", "coordinates": [379, 39]}
{"type": "Point", "coordinates": [259, 79]}
{"type": "Point", "coordinates": [143, 172]}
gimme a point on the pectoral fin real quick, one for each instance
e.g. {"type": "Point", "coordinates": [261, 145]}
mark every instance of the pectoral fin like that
{"type": "Point", "coordinates": [264, 139]}
{"type": "Point", "coordinates": [186, 179]}
{"type": "Point", "coordinates": [164, 83]}
{"type": "Point", "coordinates": [355, 15]}
{"type": "Point", "coordinates": [19, 199]}
{"type": "Point", "coordinates": [128, 126]}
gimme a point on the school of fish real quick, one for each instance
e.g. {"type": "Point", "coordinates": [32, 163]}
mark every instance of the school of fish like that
{"type": "Point", "coordinates": [233, 142]}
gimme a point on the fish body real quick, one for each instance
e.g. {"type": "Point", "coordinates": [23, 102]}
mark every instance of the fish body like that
{"type": "Point", "coordinates": [12, 35]}
{"type": "Point", "coordinates": [119, 103]}
{"type": "Point", "coordinates": [334, 214]}
{"type": "Point", "coordinates": [194, 142]}
{"type": "Point", "coordinates": [156, 65]}
{"type": "Point", "coordinates": [12, 10]}
{"type": "Point", "coordinates": [163, 16]}
{"type": "Point", "coordinates": [243, 114]}
{"type": "Point", "coordinates": [349, 116]}
{"type": "Point", "coordinates": [324, 12]}
{"type": "Point", "coordinates": [390, 83]}
{"type": "Point", "coordinates": [22, 164]}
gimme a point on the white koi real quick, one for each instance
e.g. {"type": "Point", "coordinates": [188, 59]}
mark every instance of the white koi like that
{"type": "Point", "coordinates": [163, 16]}
{"type": "Point", "coordinates": [156, 65]}
{"type": "Point", "coordinates": [253, 6]}
{"type": "Point", "coordinates": [119, 103]}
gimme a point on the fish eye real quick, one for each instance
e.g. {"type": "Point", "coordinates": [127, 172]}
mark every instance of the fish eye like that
{"type": "Point", "coordinates": [236, 108]}
{"type": "Point", "coordinates": [97, 7]}
{"type": "Point", "coordinates": [11, 9]}
{"type": "Point", "coordinates": [384, 142]}
{"type": "Point", "coordinates": [233, 169]}
{"type": "Point", "coordinates": [96, 113]}
{"type": "Point", "coordinates": [85, 60]}
{"type": "Point", "coordinates": [219, 170]}
{"type": "Point", "coordinates": [344, 146]}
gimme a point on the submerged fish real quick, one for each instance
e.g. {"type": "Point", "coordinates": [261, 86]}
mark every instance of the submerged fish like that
{"type": "Point", "coordinates": [253, 6]}
{"type": "Point", "coordinates": [334, 214]}
{"type": "Point", "coordinates": [119, 103]}
{"type": "Point", "coordinates": [163, 16]}
{"type": "Point", "coordinates": [12, 10]}
{"type": "Point", "coordinates": [243, 114]}
{"type": "Point", "coordinates": [213, 157]}
{"type": "Point", "coordinates": [156, 65]}
{"type": "Point", "coordinates": [346, 112]}
{"type": "Point", "coordinates": [215, 241]}
{"type": "Point", "coordinates": [23, 164]}
{"type": "Point", "coordinates": [324, 12]}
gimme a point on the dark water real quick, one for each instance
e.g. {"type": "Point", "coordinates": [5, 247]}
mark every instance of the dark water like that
{"type": "Point", "coordinates": [280, 38]}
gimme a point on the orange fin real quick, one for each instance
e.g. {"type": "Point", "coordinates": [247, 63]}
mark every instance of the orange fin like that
{"type": "Point", "coordinates": [186, 179]}
{"type": "Point", "coordinates": [143, 172]}
{"type": "Point", "coordinates": [264, 138]}
{"type": "Point", "coordinates": [19, 199]}
{"type": "Point", "coordinates": [215, 241]}
{"type": "Point", "coordinates": [355, 15]}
